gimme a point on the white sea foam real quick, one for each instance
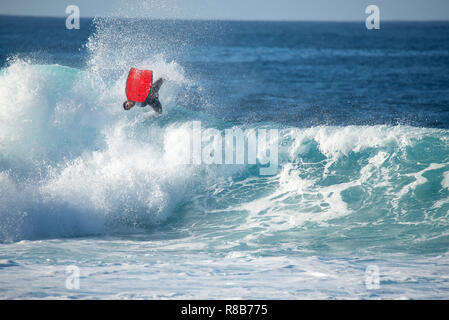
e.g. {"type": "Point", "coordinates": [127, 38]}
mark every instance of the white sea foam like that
{"type": "Point", "coordinates": [73, 151]}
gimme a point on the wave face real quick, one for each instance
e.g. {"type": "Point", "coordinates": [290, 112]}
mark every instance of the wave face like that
{"type": "Point", "coordinates": [72, 164]}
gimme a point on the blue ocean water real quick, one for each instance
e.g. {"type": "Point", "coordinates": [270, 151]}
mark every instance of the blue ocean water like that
{"type": "Point", "coordinates": [362, 182]}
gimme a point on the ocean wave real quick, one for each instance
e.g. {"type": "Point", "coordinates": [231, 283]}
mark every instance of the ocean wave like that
{"type": "Point", "coordinates": [73, 163]}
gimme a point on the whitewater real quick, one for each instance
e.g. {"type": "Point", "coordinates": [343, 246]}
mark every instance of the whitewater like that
{"type": "Point", "coordinates": [84, 183]}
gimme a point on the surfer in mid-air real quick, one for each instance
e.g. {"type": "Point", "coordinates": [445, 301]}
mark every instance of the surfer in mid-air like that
{"type": "Point", "coordinates": [138, 85]}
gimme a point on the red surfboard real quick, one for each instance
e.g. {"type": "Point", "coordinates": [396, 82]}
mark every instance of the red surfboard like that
{"type": "Point", "coordinates": [138, 84]}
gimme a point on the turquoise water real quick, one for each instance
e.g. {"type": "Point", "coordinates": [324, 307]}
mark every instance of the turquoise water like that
{"type": "Point", "coordinates": [362, 179]}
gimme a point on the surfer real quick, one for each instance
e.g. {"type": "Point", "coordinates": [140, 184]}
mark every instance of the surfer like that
{"type": "Point", "coordinates": [151, 100]}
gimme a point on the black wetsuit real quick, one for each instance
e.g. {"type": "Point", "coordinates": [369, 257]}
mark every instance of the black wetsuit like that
{"type": "Point", "coordinates": [153, 97]}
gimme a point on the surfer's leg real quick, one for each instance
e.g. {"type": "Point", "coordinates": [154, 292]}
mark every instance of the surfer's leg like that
{"type": "Point", "coordinates": [157, 85]}
{"type": "Point", "coordinates": [156, 105]}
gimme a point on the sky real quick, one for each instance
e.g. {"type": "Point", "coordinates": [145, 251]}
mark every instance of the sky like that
{"type": "Point", "coordinates": [302, 10]}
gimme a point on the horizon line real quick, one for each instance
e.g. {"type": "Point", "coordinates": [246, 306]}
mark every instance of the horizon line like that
{"type": "Point", "coordinates": [222, 19]}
